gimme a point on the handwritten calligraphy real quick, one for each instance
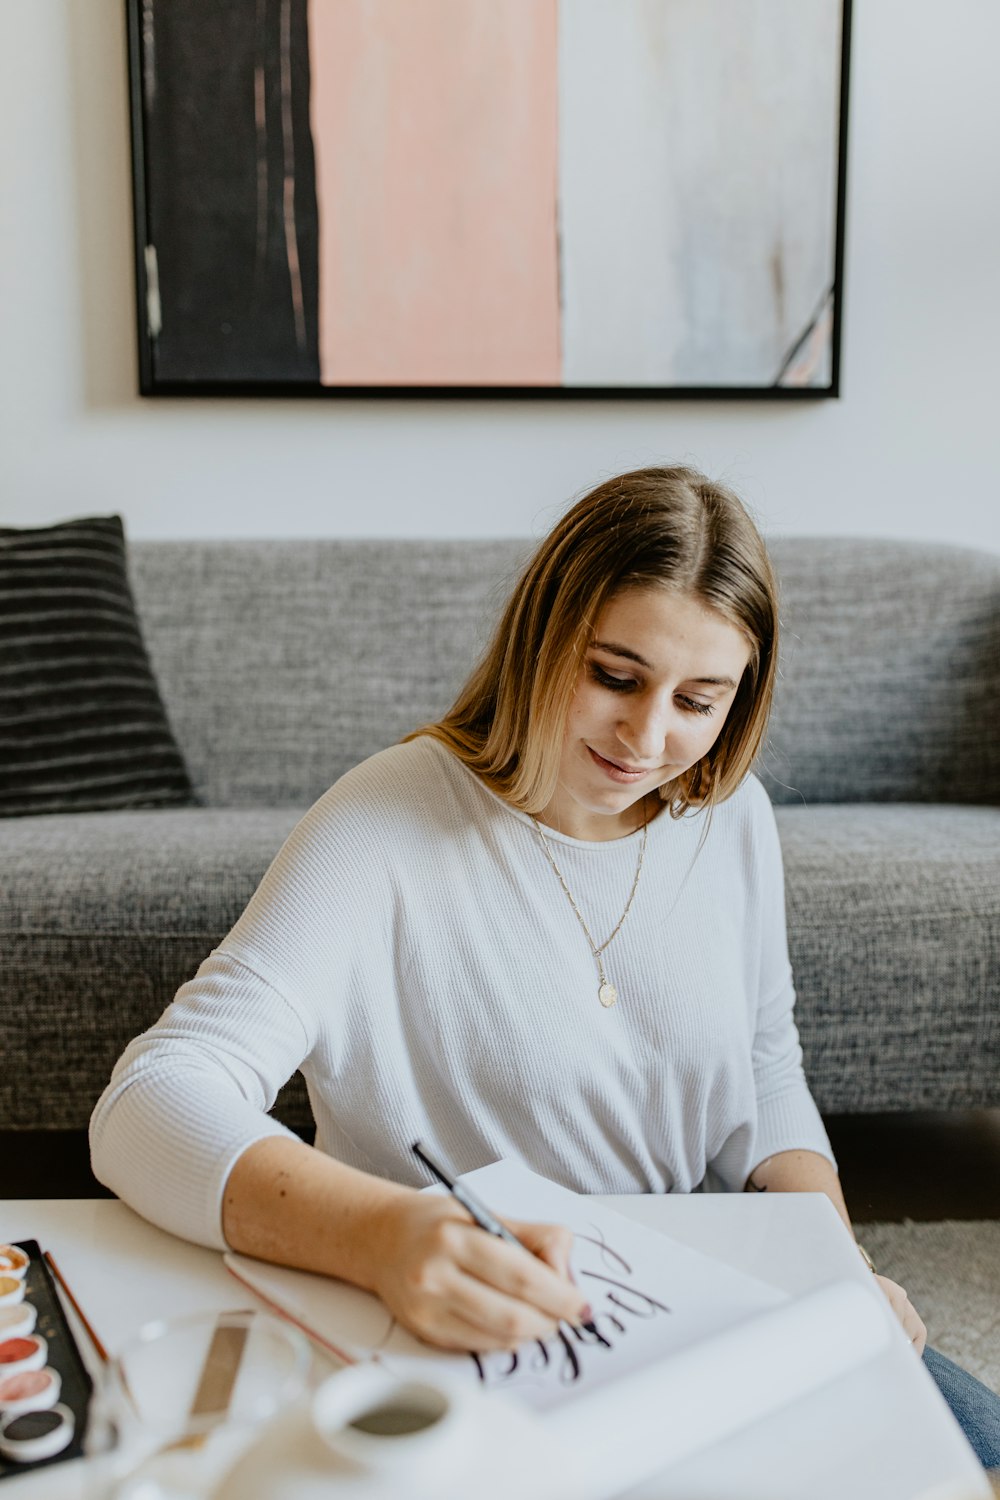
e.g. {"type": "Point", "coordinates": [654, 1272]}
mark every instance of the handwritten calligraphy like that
{"type": "Point", "coordinates": [568, 1356]}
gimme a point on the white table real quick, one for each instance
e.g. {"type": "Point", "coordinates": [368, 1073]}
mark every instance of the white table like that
{"type": "Point", "coordinates": [882, 1433]}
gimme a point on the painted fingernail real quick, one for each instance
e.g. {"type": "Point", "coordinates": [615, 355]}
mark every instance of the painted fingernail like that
{"type": "Point", "coordinates": [587, 1314]}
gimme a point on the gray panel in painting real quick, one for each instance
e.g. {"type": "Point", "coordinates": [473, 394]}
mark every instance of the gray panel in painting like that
{"type": "Point", "coordinates": [698, 165]}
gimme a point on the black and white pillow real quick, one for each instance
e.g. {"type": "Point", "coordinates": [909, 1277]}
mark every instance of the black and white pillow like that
{"type": "Point", "coordinates": [82, 724]}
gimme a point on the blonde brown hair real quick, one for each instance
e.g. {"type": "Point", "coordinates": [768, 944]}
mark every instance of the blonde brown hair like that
{"type": "Point", "coordinates": [667, 527]}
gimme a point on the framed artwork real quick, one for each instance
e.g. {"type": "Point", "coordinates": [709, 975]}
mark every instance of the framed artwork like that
{"type": "Point", "coordinates": [490, 197]}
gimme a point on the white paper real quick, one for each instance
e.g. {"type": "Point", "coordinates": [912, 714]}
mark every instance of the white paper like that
{"type": "Point", "coordinates": [692, 1348]}
{"type": "Point", "coordinates": [651, 1297]}
{"type": "Point", "coordinates": [670, 1409]}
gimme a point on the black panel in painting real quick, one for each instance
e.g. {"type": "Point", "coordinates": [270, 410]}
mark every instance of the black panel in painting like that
{"type": "Point", "coordinates": [227, 144]}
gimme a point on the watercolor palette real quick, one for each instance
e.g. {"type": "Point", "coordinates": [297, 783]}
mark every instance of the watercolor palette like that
{"type": "Point", "coordinates": [44, 1385]}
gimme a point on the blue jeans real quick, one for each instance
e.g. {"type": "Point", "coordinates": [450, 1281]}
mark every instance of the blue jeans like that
{"type": "Point", "coordinates": [973, 1405]}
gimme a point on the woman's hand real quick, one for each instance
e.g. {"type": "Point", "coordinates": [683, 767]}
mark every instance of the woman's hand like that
{"type": "Point", "coordinates": [907, 1314]}
{"type": "Point", "coordinates": [454, 1285]}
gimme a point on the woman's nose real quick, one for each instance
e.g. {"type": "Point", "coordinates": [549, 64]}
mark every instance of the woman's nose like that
{"type": "Point", "coordinates": [644, 731]}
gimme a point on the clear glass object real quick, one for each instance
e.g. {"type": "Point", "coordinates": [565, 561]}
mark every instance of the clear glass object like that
{"type": "Point", "coordinates": [183, 1398]}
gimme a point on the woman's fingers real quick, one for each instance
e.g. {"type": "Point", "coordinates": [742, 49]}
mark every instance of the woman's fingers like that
{"type": "Point", "coordinates": [474, 1315]}
{"type": "Point", "coordinates": [551, 1243]}
{"type": "Point", "coordinates": [907, 1314]}
{"type": "Point", "coordinates": [538, 1275]}
{"type": "Point", "coordinates": [455, 1285]}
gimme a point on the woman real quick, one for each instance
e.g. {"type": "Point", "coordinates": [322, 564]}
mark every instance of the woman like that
{"type": "Point", "coordinates": [550, 927]}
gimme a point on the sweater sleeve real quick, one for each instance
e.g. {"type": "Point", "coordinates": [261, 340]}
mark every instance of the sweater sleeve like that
{"type": "Point", "coordinates": [787, 1116]}
{"type": "Point", "coordinates": [191, 1094]}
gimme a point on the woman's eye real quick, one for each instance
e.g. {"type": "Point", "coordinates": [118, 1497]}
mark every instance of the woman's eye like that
{"type": "Point", "coordinates": [606, 679]}
{"type": "Point", "coordinates": [696, 707]}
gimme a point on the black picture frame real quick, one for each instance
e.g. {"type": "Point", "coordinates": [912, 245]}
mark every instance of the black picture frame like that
{"type": "Point", "coordinates": [155, 381]}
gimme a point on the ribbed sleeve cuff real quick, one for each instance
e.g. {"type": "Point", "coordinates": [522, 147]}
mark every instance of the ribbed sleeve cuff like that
{"type": "Point", "coordinates": [168, 1151]}
{"type": "Point", "coordinates": [790, 1122]}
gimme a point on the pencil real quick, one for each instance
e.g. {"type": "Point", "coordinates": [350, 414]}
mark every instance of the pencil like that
{"type": "Point", "coordinates": [98, 1346]}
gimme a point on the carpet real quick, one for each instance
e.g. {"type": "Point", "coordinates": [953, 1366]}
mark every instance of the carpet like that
{"type": "Point", "coordinates": [951, 1273]}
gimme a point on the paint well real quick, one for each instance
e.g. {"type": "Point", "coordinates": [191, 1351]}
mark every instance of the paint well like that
{"type": "Point", "coordinates": [22, 1354]}
{"type": "Point", "coordinates": [33, 1390]}
{"type": "Point", "coordinates": [17, 1320]}
{"type": "Point", "coordinates": [13, 1261]}
{"type": "Point", "coordinates": [11, 1290]}
{"type": "Point", "coordinates": [35, 1435]}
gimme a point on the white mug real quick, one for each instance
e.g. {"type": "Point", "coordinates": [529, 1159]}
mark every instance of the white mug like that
{"type": "Point", "coordinates": [382, 1424]}
{"type": "Point", "coordinates": [368, 1435]}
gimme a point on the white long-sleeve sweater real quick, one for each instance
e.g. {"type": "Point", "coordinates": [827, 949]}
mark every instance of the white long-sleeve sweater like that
{"type": "Point", "coordinates": [412, 951]}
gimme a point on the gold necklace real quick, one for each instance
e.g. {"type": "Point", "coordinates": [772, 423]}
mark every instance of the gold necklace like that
{"type": "Point", "coordinates": [607, 994]}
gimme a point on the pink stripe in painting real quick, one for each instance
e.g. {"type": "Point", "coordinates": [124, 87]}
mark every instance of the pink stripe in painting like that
{"type": "Point", "coordinates": [435, 133]}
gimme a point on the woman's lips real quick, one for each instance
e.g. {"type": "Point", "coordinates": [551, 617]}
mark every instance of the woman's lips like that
{"type": "Point", "coordinates": [615, 771]}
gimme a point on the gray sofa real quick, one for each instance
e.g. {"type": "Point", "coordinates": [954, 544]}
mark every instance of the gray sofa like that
{"type": "Point", "coordinates": [284, 663]}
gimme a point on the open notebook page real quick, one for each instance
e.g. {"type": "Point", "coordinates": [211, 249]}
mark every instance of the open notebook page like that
{"type": "Point", "coordinates": [651, 1297]}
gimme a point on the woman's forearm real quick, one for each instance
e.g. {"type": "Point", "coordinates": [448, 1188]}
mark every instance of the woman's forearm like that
{"type": "Point", "coordinates": [435, 1269]}
{"type": "Point", "coordinates": [288, 1203]}
{"type": "Point", "coordinates": [799, 1172]}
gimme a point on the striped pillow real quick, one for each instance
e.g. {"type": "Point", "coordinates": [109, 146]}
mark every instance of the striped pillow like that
{"type": "Point", "coordinates": [82, 725]}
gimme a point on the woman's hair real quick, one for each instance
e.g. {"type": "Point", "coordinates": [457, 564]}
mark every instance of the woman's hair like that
{"type": "Point", "coordinates": [668, 527]}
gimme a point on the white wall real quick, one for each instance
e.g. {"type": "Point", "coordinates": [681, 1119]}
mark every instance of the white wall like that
{"type": "Point", "coordinates": [909, 450]}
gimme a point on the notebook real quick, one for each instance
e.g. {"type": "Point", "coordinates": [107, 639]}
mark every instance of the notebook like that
{"type": "Point", "coordinates": [685, 1348]}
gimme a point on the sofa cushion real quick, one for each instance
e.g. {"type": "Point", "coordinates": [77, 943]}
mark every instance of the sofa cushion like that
{"type": "Point", "coordinates": [82, 725]}
{"type": "Point", "coordinates": [285, 663]}
{"type": "Point", "coordinates": [102, 917]}
{"type": "Point", "coordinates": [894, 933]}
{"type": "Point", "coordinates": [889, 687]}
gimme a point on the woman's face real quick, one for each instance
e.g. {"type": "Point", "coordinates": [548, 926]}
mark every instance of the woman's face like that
{"type": "Point", "coordinates": [659, 679]}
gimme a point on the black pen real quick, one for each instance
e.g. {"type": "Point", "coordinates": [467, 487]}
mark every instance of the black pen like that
{"type": "Point", "coordinates": [483, 1216]}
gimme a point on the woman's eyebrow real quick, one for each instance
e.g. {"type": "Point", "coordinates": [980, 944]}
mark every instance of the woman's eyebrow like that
{"type": "Point", "coordinates": [620, 651]}
{"type": "Point", "coordinates": [626, 651]}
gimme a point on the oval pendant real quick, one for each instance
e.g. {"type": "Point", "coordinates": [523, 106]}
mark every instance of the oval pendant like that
{"type": "Point", "coordinates": [607, 995]}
